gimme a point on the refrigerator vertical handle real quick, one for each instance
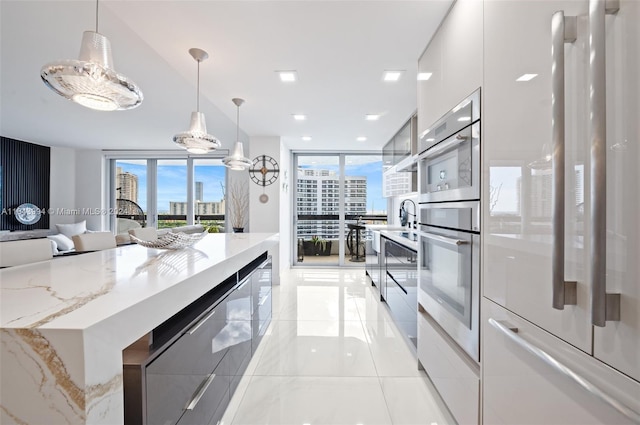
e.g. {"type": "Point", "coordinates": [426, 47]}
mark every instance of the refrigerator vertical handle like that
{"type": "Point", "coordinates": [604, 306]}
{"type": "Point", "coordinates": [563, 30]}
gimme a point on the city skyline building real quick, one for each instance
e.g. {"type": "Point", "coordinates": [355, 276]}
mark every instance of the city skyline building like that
{"type": "Point", "coordinates": [199, 191]}
{"type": "Point", "coordinates": [201, 208]}
{"type": "Point", "coordinates": [318, 193]}
{"type": "Point", "coordinates": [127, 185]}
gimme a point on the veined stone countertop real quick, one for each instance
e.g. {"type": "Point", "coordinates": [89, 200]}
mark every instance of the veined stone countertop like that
{"type": "Point", "coordinates": [64, 322]}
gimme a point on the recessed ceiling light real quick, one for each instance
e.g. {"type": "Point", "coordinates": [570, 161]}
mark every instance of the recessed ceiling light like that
{"type": "Point", "coordinates": [361, 139]}
{"type": "Point", "coordinates": [424, 76]}
{"type": "Point", "coordinates": [306, 138]}
{"type": "Point", "coordinates": [392, 75]}
{"type": "Point", "coordinates": [431, 139]}
{"type": "Point", "coordinates": [464, 119]}
{"type": "Point", "coordinates": [288, 76]}
{"type": "Point", "coordinates": [299, 117]}
{"type": "Point", "coordinates": [372, 117]}
{"type": "Point", "coordinates": [526, 77]}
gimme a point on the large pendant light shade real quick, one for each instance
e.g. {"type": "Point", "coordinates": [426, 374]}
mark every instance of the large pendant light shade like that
{"type": "Point", "coordinates": [196, 139]}
{"type": "Point", "coordinates": [237, 161]}
{"type": "Point", "coordinates": [91, 80]}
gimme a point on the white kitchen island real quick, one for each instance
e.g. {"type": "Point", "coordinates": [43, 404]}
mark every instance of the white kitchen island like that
{"type": "Point", "coordinates": [65, 322]}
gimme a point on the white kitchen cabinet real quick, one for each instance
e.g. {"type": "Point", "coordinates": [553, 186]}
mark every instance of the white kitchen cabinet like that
{"type": "Point", "coordinates": [522, 388]}
{"type": "Point", "coordinates": [618, 343]}
{"type": "Point", "coordinates": [454, 374]}
{"type": "Point", "coordinates": [517, 168]}
{"type": "Point", "coordinates": [518, 212]}
{"type": "Point", "coordinates": [454, 59]}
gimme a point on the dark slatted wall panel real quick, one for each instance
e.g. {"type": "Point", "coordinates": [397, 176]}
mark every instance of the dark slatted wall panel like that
{"type": "Point", "coordinates": [25, 178]}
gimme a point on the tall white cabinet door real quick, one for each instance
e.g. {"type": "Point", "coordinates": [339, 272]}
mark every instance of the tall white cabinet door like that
{"type": "Point", "coordinates": [454, 60]}
{"type": "Point", "coordinates": [522, 387]}
{"type": "Point", "coordinates": [517, 173]}
{"type": "Point", "coordinates": [618, 343]}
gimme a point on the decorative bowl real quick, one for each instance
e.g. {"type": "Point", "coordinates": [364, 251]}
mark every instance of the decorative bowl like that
{"type": "Point", "coordinates": [171, 240]}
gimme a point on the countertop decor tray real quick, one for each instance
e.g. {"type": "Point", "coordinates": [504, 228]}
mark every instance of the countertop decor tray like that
{"type": "Point", "coordinates": [171, 240]}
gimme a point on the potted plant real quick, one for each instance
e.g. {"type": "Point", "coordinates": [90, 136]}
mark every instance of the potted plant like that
{"type": "Point", "coordinates": [238, 207]}
{"type": "Point", "coordinates": [322, 246]}
{"type": "Point", "coordinates": [308, 247]}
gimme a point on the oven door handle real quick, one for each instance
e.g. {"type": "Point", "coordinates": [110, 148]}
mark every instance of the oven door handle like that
{"type": "Point", "coordinates": [445, 145]}
{"type": "Point", "coordinates": [444, 239]}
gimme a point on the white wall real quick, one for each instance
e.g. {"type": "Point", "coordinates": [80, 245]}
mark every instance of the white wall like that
{"type": "Point", "coordinates": [62, 186]}
{"type": "Point", "coordinates": [265, 217]}
{"type": "Point", "coordinates": [286, 206]}
{"type": "Point", "coordinates": [91, 189]}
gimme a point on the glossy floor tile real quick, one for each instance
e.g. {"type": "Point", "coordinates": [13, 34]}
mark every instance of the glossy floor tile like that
{"type": "Point", "coordinates": [312, 400]}
{"type": "Point", "coordinates": [332, 355]}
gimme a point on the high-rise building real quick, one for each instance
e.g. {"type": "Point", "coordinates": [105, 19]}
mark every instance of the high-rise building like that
{"type": "Point", "coordinates": [201, 208]}
{"type": "Point", "coordinates": [318, 193]}
{"type": "Point", "coordinates": [127, 185]}
{"type": "Point", "coordinates": [199, 192]}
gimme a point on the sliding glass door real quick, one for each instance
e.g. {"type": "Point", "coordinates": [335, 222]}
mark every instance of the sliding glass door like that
{"type": "Point", "coordinates": [335, 196]}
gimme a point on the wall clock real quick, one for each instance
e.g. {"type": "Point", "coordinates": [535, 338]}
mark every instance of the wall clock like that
{"type": "Point", "coordinates": [264, 170]}
{"type": "Point", "coordinates": [28, 213]}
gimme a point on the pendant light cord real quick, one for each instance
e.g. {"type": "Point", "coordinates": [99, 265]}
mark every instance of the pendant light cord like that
{"type": "Point", "coordinates": [198, 89]}
{"type": "Point", "coordinates": [97, 15]}
{"type": "Point", "coordinates": [238, 124]}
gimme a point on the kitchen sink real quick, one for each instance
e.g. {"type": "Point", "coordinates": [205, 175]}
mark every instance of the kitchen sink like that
{"type": "Point", "coordinates": [409, 235]}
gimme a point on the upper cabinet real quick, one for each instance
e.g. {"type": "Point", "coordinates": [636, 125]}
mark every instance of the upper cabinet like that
{"type": "Point", "coordinates": [398, 161]}
{"type": "Point", "coordinates": [453, 59]}
{"type": "Point", "coordinates": [402, 146]}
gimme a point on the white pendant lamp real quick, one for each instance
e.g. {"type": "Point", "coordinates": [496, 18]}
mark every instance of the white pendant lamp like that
{"type": "Point", "coordinates": [197, 140]}
{"type": "Point", "coordinates": [91, 80]}
{"type": "Point", "coordinates": [237, 161]}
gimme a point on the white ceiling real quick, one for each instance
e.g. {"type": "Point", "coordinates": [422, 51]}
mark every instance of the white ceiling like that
{"type": "Point", "coordinates": [339, 49]}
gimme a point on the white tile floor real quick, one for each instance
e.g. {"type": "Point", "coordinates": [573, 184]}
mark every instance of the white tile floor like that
{"type": "Point", "coordinates": [333, 356]}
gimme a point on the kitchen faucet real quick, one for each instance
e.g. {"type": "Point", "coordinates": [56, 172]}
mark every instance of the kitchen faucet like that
{"type": "Point", "coordinates": [403, 210]}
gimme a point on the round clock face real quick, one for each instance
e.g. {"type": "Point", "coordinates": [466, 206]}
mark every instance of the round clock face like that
{"type": "Point", "coordinates": [264, 170]}
{"type": "Point", "coordinates": [28, 213]}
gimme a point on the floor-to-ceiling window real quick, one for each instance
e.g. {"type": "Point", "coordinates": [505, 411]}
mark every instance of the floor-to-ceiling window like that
{"type": "Point", "coordinates": [168, 192]}
{"type": "Point", "coordinates": [130, 194]}
{"type": "Point", "coordinates": [172, 193]}
{"type": "Point", "coordinates": [335, 194]}
{"type": "Point", "coordinates": [209, 195]}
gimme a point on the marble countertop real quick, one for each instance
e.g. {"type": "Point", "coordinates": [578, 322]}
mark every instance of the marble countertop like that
{"type": "Point", "coordinates": [64, 322]}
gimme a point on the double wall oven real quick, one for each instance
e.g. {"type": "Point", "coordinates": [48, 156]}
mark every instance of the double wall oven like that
{"type": "Point", "coordinates": [449, 244]}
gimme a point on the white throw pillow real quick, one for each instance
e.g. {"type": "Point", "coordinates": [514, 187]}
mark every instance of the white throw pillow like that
{"type": "Point", "coordinates": [63, 242]}
{"type": "Point", "coordinates": [70, 230]}
{"type": "Point", "coordinates": [54, 247]}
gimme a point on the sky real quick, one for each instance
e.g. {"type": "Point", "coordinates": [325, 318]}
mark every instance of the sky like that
{"type": "Point", "coordinates": [172, 180]}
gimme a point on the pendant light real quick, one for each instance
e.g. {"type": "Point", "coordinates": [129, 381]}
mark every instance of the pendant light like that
{"type": "Point", "coordinates": [237, 161]}
{"type": "Point", "coordinates": [197, 140]}
{"type": "Point", "coordinates": [91, 80]}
